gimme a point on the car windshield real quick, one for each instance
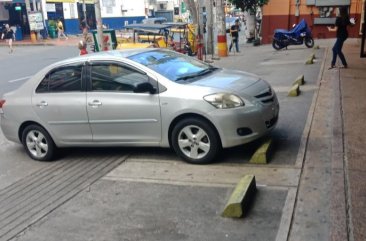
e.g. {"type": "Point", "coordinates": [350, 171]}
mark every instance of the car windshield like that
{"type": "Point", "coordinates": [174, 66]}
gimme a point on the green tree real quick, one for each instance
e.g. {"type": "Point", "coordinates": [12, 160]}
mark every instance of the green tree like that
{"type": "Point", "coordinates": [249, 5]}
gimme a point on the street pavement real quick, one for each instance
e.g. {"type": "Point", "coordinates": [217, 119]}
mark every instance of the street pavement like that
{"type": "Point", "coordinates": [328, 202]}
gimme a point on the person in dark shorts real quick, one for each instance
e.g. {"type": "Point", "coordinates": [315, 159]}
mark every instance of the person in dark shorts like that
{"type": "Point", "coordinates": [8, 35]}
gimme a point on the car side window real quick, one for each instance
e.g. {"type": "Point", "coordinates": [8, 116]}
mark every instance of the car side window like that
{"type": "Point", "coordinates": [63, 79]}
{"type": "Point", "coordinates": [115, 77]}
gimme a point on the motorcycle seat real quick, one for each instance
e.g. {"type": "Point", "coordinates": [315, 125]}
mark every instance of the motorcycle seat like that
{"type": "Point", "coordinates": [282, 31]}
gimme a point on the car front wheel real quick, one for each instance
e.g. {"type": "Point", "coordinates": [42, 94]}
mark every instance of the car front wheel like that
{"type": "Point", "coordinates": [38, 143]}
{"type": "Point", "coordinates": [195, 141]}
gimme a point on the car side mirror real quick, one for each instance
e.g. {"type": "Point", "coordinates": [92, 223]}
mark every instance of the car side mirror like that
{"type": "Point", "coordinates": [145, 87]}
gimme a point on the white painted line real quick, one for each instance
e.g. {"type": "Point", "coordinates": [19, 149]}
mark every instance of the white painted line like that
{"type": "Point", "coordinates": [287, 212]}
{"type": "Point", "coordinates": [303, 88]}
{"type": "Point", "coordinates": [20, 79]}
{"type": "Point", "coordinates": [277, 62]}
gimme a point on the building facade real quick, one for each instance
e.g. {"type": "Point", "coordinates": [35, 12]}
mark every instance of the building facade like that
{"type": "Point", "coordinates": [115, 13]}
{"type": "Point", "coordinates": [318, 14]}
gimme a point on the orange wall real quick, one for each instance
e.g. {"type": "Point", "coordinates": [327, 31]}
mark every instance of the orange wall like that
{"type": "Point", "coordinates": [281, 14]}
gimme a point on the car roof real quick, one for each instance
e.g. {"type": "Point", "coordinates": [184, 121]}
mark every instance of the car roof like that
{"type": "Point", "coordinates": [104, 55]}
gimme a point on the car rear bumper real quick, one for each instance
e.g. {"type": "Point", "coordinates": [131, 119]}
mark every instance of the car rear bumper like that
{"type": "Point", "coordinates": [9, 128]}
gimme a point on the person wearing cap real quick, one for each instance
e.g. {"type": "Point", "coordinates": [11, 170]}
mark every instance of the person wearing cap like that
{"type": "Point", "coordinates": [8, 35]}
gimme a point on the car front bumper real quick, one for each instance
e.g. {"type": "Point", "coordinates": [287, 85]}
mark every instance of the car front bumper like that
{"type": "Point", "coordinates": [242, 125]}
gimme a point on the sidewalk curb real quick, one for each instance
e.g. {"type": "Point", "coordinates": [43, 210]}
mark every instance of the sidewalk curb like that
{"type": "Point", "coordinates": [287, 218]}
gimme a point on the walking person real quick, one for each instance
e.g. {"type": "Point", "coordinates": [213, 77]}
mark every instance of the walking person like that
{"type": "Point", "coordinates": [8, 35]}
{"type": "Point", "coordinates": [60, 30]}
{"type": "Point", "coordinates": [234, 32]}
{"type": "Point", "coordinates": [85, 30]}
{"type": "Point", "coordinates": [341, 23]}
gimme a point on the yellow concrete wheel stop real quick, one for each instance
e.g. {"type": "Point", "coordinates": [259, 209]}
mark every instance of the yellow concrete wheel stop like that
{"type": "Point", "coordinates": [294, 91]}
{"type": "Point", "coordinates": [261, 156]}
{"type": "Point", "coordinates": [299, 80]}
{"type": "Point", "coordinates": [241, 197]}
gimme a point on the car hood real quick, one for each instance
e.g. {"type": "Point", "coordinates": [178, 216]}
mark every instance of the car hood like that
{"type": "Point", "coordinates": [229, 80]}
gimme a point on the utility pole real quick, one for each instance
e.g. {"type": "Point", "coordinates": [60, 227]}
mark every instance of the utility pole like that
{"type": "Point", "coordinates": [98, 16]}
{"type": "Point", "coordinates": [84, 11]}
{"type": "Point", "coordinates": [209, 26]}
{"type": "Point", "coordinates": [221, 29]}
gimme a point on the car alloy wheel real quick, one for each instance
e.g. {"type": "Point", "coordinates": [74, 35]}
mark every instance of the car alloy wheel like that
{"type": "Point", "coordinates": [195, 141]}
{"type": "Point", "coordinates": [38, 143]}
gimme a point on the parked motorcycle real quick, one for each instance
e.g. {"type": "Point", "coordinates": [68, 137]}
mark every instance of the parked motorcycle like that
{"type": "Point", "coordinates": [297, 36]}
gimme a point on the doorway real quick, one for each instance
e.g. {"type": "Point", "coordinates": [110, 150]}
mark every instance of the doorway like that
{"type": "Point", "coordinates": [90, 14]}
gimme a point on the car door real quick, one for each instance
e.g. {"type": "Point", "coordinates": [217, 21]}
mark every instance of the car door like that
{"type": "Point", "coordinates": [118, 114]}
{"type": "Point", "coordinates": [60, 103]}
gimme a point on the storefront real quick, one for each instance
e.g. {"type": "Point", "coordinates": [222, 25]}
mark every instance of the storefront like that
{"type": "Point", "coordinates": [14, 13]}
{"type": "Point", "coordinates": [115, 13]}
{"type": "Point", "coordinates": [318, 13]}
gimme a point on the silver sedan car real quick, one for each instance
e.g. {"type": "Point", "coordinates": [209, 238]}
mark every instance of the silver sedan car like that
{"type": "Point", "coordinates": [140, 97]}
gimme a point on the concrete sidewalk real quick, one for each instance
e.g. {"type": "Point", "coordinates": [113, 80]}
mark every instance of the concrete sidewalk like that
{"type": "Point", "coordinates": [353, 109]}
{"type": "Point", "coordinates": [71, 41]}
{"type": "Point", "coordinates": [331, 199]}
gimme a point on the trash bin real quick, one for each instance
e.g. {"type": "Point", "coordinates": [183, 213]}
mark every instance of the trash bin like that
{"type": "Point", "coordinates": [52, 31]}
{"type": "Point", "coordinates": [18, 33]}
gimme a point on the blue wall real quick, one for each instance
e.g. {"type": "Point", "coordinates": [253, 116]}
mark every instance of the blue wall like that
{"type": "Point", "coordinates": [72, 25]}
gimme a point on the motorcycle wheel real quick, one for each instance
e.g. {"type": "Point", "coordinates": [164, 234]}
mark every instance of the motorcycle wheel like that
{"type": "Point", "coordinates": [309, 42]}
{"type": "Point", "coordinates": [276, 45]}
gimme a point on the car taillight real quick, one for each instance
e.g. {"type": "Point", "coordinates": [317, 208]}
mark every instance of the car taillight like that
{"type": "Point", "coordinates": [2, 102]}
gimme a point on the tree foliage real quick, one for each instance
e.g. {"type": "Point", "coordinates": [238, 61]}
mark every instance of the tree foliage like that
{"type": "Point", "coordinates": [249, 5]}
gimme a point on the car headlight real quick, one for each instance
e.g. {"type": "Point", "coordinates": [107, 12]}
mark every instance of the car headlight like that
{"type": "Point", "coordinates": [224, 100]}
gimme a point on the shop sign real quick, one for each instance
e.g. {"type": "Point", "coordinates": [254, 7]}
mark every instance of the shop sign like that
{"type": "Point", "coordinates": [35, 21]}
{"type": "Point", "coordinates": [50, 7]}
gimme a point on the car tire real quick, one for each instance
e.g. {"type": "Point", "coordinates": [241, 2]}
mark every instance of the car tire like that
{"type": "Point", "coordinates": [196, 149]}
{"type": "Point", "coordinates": [38, 143]}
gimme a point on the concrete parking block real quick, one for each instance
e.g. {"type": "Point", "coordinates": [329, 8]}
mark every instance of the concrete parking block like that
{"type": "Point", "coordinates": [310, 60]}
{"type": "Point", "coordinates": [294, 91]}
{"type": "Point", "coordinates": [240, 198]}
{"type": "Point", "coordinates": [261, 156]}
{"type": "Point", "coordinates": [299, 80]}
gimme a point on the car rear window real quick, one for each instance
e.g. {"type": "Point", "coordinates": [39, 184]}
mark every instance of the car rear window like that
{"type": "Point", "coordinates": [63, 79]}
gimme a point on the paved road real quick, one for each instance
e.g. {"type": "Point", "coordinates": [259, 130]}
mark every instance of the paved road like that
{"type": "Point", "coordinates": [152, 195]}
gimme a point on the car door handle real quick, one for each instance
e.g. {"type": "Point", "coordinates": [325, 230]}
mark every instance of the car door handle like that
{"type": "Point", "coordinates": [95, 103]}
{"type": "Point", "coordinates": [42, 104]}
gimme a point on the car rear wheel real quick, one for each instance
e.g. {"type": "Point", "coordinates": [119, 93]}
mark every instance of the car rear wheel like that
{"type": "Point", "coordinates": [38, 143]}
{"type": "Point", "coordinates": [195, 141]}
